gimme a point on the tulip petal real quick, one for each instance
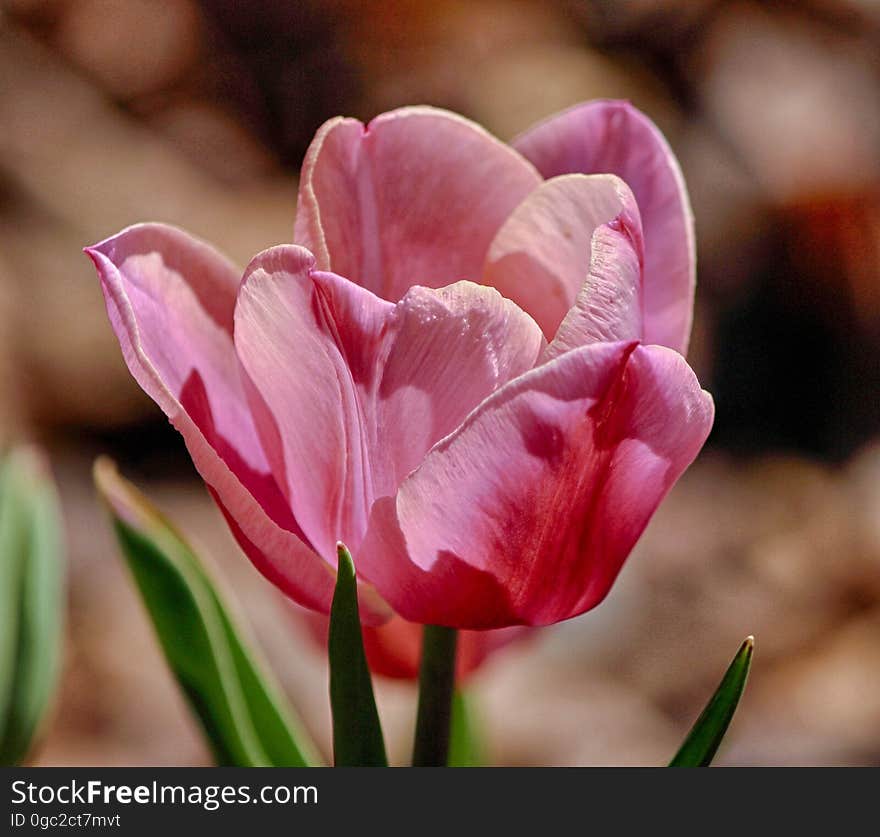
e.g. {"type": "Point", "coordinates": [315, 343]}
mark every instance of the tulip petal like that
{"type": "Point", "coordinates": [170, 300]}
{"type": "Point", "coordinates": [576, 237]}
{"type": "Point", "coordinates": [452, 348]}
{"type": "Point", "coordinates": [294, 332]}
{"type": "Point", "coordinates": [612, 136]}
{"type": "Point", "coordinates": [350, 391]}
{"type": "Point", "coordinates": [526, 513]}
{"type": "Point", "coordinates": [415, 197]}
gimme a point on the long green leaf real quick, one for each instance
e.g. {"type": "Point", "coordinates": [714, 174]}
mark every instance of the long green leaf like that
{"type": "Point", "coordinates": [246, 720]}
{"type": "Point", "coordinates": [31, 612]}
{"type": "Point", "coordinates": [13, 543]}
{"type": "Point", "coordinates": [357, 731]}
{"type": "Point", "coordinates": [465, 747]}
{"type": "Point", "coordinates": [280, 730]}
{"type": "Point", "coordinates": [702, 742]}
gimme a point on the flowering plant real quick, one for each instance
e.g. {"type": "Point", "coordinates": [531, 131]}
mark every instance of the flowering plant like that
{"type": "Point", "coordinates": [467, 372]}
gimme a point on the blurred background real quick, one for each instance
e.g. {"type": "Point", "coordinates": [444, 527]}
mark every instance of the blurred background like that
{"type": "Point", "coordinates": [198, 112]}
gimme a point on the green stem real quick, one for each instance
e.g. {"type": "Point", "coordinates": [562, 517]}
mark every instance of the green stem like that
{"type": "Point", "coordinates": [436, 685]}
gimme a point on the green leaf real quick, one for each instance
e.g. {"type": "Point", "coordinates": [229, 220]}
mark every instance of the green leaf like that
{"type": "Point", "coordinates": [465, 749]}
{"type": "Point", "coordinates": [13, 542]}
{"type": "Point", "coordinates": [702, 741]}
{"type": "Point", "coordinates": [31, 607]}
{"type": "Point", "coordinates": [357, 731]}
{"type": "Point", "coordinates": [245, 718]}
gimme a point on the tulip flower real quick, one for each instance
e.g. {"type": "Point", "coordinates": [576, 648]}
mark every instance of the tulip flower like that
{"type": "Point", "coordinates": [468, 368]}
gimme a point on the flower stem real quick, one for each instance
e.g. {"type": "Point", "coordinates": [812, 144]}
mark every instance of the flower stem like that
{"type": "Point", "coordinates": [436, 685]}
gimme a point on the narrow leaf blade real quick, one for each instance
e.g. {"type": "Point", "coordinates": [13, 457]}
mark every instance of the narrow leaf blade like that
{"type": "Point", "coordinates": [357, 731]}
{"type": "Point", "coordinates": [280, 731]}
{"type": "Point", "coordinates": [31, 579]}
{"type": "Point", "coordinates": [702, 742]}
{"type": "Point", "coordinates": [13, 544]}
{"type": "Point", "coordinates": [245, 719]}
{"type": "Point", "coordinates": [192, 640]}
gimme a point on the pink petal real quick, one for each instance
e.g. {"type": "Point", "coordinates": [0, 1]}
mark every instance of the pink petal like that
{"type": "Point", "coordinates": [293, 335]}
{"type": "Point", "coordinates": [612, 136]}
{"type": "Point", "coordinates": [350, 391]}
{"type": "Point", "coordinates": [526, 514]}
{"type": "Point", "coordinates": [414, 198]}
{"type": "Point", "coordinates": [576, 237]}
{"type": "Point", "coordinates": [452, 347]}
{"type": "Point", "coordinates": [170, 300]}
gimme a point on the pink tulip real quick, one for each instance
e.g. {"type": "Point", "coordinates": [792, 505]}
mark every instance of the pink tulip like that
{"type": "Point", "coordinates": [469, 374]}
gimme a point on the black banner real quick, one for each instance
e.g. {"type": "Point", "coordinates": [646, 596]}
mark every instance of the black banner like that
{"type": "Point", "coordinates": [411, 801]}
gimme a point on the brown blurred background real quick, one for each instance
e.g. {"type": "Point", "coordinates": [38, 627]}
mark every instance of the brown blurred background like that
{"type": "Point", "coordinates": [198, 113]}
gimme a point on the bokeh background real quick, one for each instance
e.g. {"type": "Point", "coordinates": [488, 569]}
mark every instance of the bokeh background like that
{"type": "Point", "coordinates": [197, 112]}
